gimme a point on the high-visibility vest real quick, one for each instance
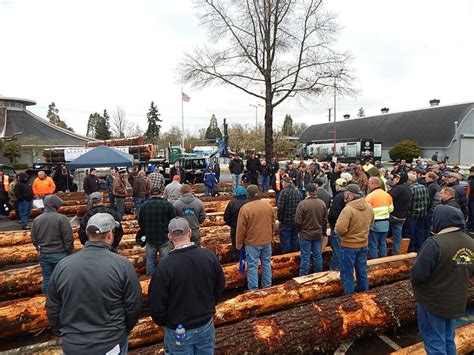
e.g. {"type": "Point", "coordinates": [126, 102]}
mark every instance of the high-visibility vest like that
{"type": "Point", "coordinates": [6, 183]}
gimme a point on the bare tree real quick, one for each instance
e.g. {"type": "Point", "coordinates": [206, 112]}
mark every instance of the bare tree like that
{"type": "Point", "coordinates": [120, 123]}
{"type": "Point", "coordinates": [270, 49]}
{"type": "Point", "coordinates": [133, 130]}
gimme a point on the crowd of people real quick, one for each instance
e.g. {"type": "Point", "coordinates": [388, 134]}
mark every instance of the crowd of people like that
{"type": "Point", "coordinates": [94, 297]}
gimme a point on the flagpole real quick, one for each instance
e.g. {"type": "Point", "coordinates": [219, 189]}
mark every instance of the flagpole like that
{"type": "Point", "coordinates": [182, 120]}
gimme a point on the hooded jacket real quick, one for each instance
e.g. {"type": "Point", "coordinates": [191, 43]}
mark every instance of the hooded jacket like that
{"type": "Point", "coordinates": [401, 195]}
{"type": "Point", "coordinates": [51, 232]}
{"type": "Point", "coordinates": [192, 209]}
{"type": "Point", "coordinates": [22, 189]}
{"type": "Point", "coordinates": [354, 223]}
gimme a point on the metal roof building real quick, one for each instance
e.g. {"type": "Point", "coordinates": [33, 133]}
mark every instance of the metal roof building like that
{"type": "Point", "coordinates": [448, 130]}
{"type": "Point", "coordinates": [32, 131]}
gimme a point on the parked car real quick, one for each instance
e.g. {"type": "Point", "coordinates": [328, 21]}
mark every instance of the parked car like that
{"type": "Point", "coordinates": [8, 170]}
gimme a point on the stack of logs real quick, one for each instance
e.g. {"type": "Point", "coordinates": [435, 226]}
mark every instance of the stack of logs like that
{"type": "Point", "coordinates": [303, 314]}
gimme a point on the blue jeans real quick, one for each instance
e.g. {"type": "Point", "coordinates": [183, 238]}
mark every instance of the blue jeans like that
{"type": "Point", "coordinates": [252, 254]}
{"type": "Point", "coordinates": [335, 244]}
{"type": "Point", "coordinates": [397, 234]}
{"type": "Point", "coordinates": [138, 203]}
{"type": "Point", "coordinates": [24, 210]}
{"type": "Point", "coordinates": [377, 244]}
{"type": "Point", "coordinates": [201, 340]}
{"type": "Point", "coordinates": [288, 238]}
{"type": "Point", "coordinates": [307, 247]}
{"type": "Point", "coordinates": [437, 333]}
{"type": "Point", "coordinates": [350, 259]}
{"type": "Point", "coordinates": [111, 200]}
{"type": "Point", "coordinates": [48, 262]}
{"type": "Point", "coordinates": [265, 183]}
{"type": "Point", "coordinates": [124, 347]}
{"type": "Point", "coordinates": [208, 191]}
{"type": "Point", "coordinates": [416, 230]}
{"type": "Point", "coordinates": [151, 250]}
{"type": "Point", "coordinates": [235, 181]}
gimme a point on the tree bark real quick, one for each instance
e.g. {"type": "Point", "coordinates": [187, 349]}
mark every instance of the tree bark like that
{"type": "Point", "coordinates": [464, 343]}
{"type": "Point", "coordinates": [28, 315]}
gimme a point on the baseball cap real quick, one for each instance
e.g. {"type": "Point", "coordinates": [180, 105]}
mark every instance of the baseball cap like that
{"type": "Point", "coordinates": [354, 188]}
{"type": "Point", "coordinates": [341, 182]}
{"type": "Point", "coordinates": [453, 175]}
{"type": "Point", "coordinates": [252, 190]}
{"type": "Point", "coordinates": [310, 187]}
{"type": "Point", "coordinates": [96, 196]}
{"type": "Point", "coordinates": [101, 223]}
{"type": "Point", "coordinates": [178, 227]}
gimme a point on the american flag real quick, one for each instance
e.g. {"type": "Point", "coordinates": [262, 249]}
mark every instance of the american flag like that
{"type": "Point", "coordinates": [185, 97]}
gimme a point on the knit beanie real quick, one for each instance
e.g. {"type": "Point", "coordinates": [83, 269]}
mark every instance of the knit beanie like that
{"type": "Point", "coordinates": [240, 191]}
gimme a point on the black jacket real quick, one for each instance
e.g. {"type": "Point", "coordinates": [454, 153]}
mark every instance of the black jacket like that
{"type": "Point", "coordinates": [231, 214]}
{"type": "Point", "coordinates": [91, 184]}
{"type": "Point", "coordinates": [185, 288]}
{"type": "Point", "coordinates": [94, 300]}
{"type": "Point", "coordinates": [265, 170]}
{"type": "Point", "coordinates": [23, 191]}
{"type": "Point", "coordinates": [236, 166]}
{"type": "Point", "coordinates": [337, 206]}
{"type": "Point", "coordinates": [118, 233]}
{"type": "Point", "coordinates": [401, 195]}
{"type": "Point", "coordinates": [253, 165]}
{"type": "Point", "coordinates": [433, 193]}
{"type": "Point", "coordinates": [461, 197]}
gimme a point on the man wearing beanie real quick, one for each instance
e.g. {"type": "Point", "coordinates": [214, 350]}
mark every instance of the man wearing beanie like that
{"type": "Point", "coordinates": [440, 279]}
{"type": "Point", "coordinates": [232, 210]}
{"type": "Point", "coordinates": [52, 237]}
{"type": "Point", "coordinates": [353, 227]}
{"type": "Point", "coordinates": [255, 226]}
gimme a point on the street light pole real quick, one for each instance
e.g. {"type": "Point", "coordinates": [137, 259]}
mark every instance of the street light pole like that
{"type": "Point", "coordinates": [256, 113]}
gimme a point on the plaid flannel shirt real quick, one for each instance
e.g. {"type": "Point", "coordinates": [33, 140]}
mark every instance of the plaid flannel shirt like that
{"type": "Point", "coordinates": [157, 180]}
{"type": "Point", "coordinates": [287, 203]}
{"type": "Point", "coordinates": [420, 201]}
{"type": "Point", "coordinates": [155, 215]}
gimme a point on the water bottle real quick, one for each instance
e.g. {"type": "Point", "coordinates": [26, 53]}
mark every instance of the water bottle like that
{"type": "Point", "coordinates": [180, 332]}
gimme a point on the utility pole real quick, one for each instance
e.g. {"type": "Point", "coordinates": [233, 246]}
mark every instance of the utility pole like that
{"type": "Point", "coordinates": [256, 114]}
{"type": "Point", "coordinates": [334, 130]}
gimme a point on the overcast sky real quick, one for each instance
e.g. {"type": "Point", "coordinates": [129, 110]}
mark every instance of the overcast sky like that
{"type": "Point", "coordinates": [89, 55]}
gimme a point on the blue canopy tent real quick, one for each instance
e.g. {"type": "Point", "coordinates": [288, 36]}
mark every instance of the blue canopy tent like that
{"type": "Point", "coordinates": [101, 157]}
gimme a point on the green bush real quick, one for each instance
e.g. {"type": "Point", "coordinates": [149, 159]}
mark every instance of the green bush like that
{"type": "Point", "coordinates": [20, 166]}
{"type": "Point", "coordinates": [406, 149]}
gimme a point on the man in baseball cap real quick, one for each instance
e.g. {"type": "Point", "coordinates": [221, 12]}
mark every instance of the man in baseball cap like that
{"type": "Point", "coordinates": [189, 278]}
{"type": "Point", "coordinates": [91, 287]}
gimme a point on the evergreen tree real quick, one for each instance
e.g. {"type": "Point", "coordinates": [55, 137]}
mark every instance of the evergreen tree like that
{"type": "Point", "coordinates": [91, 123]}
{"type": "Point", "coordinates": [213, 132]}
{"type": "Point", "coordinates": [152, 133]}
{"type": "Point", "coordinates": [102, 126]}
{"type": "Point", "coordinates": [287, 129]}
{"type": "Point", "coordinates": [53, 117]}
{"type": "Point", "coordinates": [361, 112]}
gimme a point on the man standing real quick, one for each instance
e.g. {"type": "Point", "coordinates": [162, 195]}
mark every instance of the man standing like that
{"type": "Point", "coordinates": [43, 185]}
{"type": "Point", "coordinates": [232, 210]}
{"type": "Point", "coordinates": [94, 298]}
{"type": "Point", "coordinates": [52, 237]}
{"type": "Point", "coordinates": [99, 207]}
{"type": "Point", "coordinates": [24, 196]}
{"type": "Point", "coordinates": [353, 227]}
{"type": "Point", "coordinates": [303, 178]}
{"type": "Point", "coordinates": [433, 187]}
{"type": "Point", "coordinates": [191, 208]}
{"type": "Point", "coordinates": [91, 182]}
{"type": "Point", "coordinates": [155, 215]}
{"type": "Point", "coordinates": [109, 183]}
{"type": "Point", "coordinates": [253, 168]}
{"type": "Point", "coordinates": [274, 167]}
{"type": "Point", "coordinates": [157, 179]}
{"type": "Point", "coordinates": [440, 279]}
{"type": "Point", "coordinates": [417, 211]}
{"type": "Point", "coordinates": [382, 205]}
{"type": "Point", "coordinates": [287, 204]}
{"type": "Point", "coordinates": [183, 294]}
{"type": "Point", "coordinates": [401, 196]}
{"type": "Point", "coordinates": [338, 204]}
{"type": "Point", "coordinates": [446, 196]}
{"type": "Point", "coordinates": [255, 232]}
{"type": "Point", "coordinates": [173, 191]}
{"type": "Point", "coordinates": [452, 180]}
{"type": "Point", "coordinates": [310, 219]}
{"type": "Point", "coordinates": [236, 168]}
{"type": "Point", "coordinates": [120, 192]}
{"type": "Point", "coordinates": [470, 195]}
{"type": "Point", "coordinates": [322, 193]}
{"type": "Point", "coordinates": [139, 189]}
{"type": "Point", "coordinates": [176, 169]}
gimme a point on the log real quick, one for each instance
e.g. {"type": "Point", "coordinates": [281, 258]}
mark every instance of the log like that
{"type": "Point", "coordinates": [241, 307]}
{"type": "Point", "coordinates": [464, 343]}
